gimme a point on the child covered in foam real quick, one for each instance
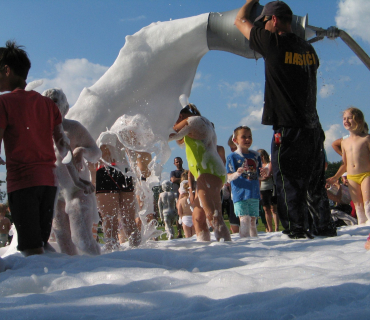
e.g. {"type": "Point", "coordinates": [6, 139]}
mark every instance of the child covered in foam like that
{"type": "Point", "coordinates": [167, 207]}
{"type": "Point", "coordinates": [206, 166]}
{"type": "Point", "coordinates": [75, 211]}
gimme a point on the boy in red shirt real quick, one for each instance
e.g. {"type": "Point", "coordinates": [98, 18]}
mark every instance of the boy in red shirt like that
{"type": "Point", "coordinates": [28, 124]}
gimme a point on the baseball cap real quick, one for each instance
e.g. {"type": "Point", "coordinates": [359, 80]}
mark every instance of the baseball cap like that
{"type": "Point", "coordinates": [274, 8]}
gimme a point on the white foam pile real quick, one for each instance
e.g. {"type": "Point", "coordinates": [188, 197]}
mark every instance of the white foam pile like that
{"type": "Point", "coordinates": [266, 278]}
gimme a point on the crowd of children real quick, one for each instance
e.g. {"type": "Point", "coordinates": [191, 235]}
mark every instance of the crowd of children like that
{"type": "Point", "coordinates": [245, 176]}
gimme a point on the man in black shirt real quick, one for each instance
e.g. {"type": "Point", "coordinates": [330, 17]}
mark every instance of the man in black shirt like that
{"type": "Point", "coordinates": [290, 107]}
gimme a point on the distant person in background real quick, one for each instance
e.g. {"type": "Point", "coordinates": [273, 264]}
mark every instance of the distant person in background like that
{"type": "Point", "coordinates": [167, 207]}
{"type": "Point", "coordinates": [267, 194]}
{"type": "Point", "coordinates": [28, 124]}
{"type": "Point", "coordinates": [5, 225]}
{"type": "Point", "coordinates": [184, 211]}
{"type": "Point", "coordinates": [175, 177]}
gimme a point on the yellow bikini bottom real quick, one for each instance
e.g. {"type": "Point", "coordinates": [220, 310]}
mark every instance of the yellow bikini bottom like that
{"type": "Point", "coordinates": [358, 178]}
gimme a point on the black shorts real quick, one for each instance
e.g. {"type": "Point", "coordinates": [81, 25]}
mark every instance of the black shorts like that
{"type": "Point", "coordinates": [233, 219]}
{"type": "Point", "coordinates": [109, 180]}
{"type": "Point", "coordinates": [32, 210]}
{"type": "Point", "coordinates": [268, 198]}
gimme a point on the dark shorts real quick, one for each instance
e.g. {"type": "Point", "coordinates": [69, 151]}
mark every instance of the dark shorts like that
{"type": "Point", "coordinates": [32, 211]}
{"type": "Point", "coordinates": [233, 219]}
{"type": "Point", "coordinates": [109, 180]}
{"type": "Point", "coordinates": [268, 198]}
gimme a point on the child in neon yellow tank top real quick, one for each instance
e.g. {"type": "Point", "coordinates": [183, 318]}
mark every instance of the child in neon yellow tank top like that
{"type": "Point", "coordinates": [207, 168]}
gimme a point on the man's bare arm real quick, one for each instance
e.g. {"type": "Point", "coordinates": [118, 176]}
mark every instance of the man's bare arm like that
{"type": "Point", "coordinates": [242, 20]}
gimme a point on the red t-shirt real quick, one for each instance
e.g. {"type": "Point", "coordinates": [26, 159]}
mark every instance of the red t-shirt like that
{"type": "Point", "coordinates": [28, 120]}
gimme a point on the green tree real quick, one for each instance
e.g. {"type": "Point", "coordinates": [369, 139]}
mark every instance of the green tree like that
{"type": "Point", "coordinates": [332, 168]}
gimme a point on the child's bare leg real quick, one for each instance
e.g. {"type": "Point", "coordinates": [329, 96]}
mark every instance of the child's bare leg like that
{"type": "Point", "coordinates": [208, 188]}
{"type": "Point", "coordinates": [108, 204]}
{"type": "Point", "coordinates": [254, 227]}
{"type": "Point", "coordinates": [365, 189]}
{"type": "Point", "coordinates": [128, 225]}
{"type": "Point", "coordinates": [367, 243]}
{"type": "Point", "coordinates": [268, 216]}
{"type": "Point", "coordinates": [356, 196]}
{"type": "Point", "coordinates": [79, 210]}
{"type": "Point", "coordinates": [62, 230]}
{"type": "Point", "coordinates": [245, 227]}
{"type": "Point", "coordinates": [275, 216]}
{"type": "Point", "coordinates": [199, 222]}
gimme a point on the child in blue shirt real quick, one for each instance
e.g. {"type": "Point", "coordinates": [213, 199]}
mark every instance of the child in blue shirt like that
{"type": "Point", "coordinates": [243, 167]}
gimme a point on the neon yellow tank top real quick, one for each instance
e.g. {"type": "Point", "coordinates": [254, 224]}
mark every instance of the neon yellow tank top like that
{"type": "Point", "coordinates": [197, 162]}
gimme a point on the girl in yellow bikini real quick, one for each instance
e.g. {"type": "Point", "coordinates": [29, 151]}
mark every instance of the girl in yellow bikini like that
{"type": "Point", "coordinates": [207, 168]}
{"type": "Point", "coordinates": [356, 161]}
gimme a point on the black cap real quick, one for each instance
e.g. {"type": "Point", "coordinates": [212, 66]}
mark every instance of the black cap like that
{"type": "Point", "coordinates": [275, 8]}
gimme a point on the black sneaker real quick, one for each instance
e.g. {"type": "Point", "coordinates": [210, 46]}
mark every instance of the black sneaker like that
{"type": "Point", "coordinates": [327, 232]}
{"type": "Point", "coordinates": [297, 235]}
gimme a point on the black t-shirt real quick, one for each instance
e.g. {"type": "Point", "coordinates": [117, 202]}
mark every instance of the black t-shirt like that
{"type": "Point", "coordinates": [290, 69]}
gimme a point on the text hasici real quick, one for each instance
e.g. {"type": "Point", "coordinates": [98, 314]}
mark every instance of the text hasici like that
{"type": "Point", "coordinates": [300, 59]}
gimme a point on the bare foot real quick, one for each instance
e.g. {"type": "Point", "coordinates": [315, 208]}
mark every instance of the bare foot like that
{"type": "Point", "coordinates": [367, 244]}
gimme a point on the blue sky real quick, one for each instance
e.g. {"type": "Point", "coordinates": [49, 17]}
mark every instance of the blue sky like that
{"type": "Point", "coordinates": [72, 43]}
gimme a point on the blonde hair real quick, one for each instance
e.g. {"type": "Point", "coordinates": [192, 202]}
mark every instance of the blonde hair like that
{"type": "Point", "coordinates": [358, 118]}
{"type": "Point", "coordinates": [236, 130]}
{"type": "Point", "coordinates": [230, 142]}
{"type": "Point", "coordinates": [184, 175]}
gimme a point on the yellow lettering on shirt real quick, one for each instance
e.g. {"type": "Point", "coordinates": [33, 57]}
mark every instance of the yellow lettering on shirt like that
{"type": "Point", "coordinates": [300, 59]}
{"type": "Point", "coordinates": [288, 57]}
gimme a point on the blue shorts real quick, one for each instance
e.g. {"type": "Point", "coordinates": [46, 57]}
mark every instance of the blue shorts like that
{"type": "Point", "coordinates": [248, 207]}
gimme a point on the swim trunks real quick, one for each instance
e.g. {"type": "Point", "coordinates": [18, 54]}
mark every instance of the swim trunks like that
{"type": "Point", "coordinates": [249, 207]}
{"type": "Point", "coordinates": [187, 221]}
{"type": "Point", "coordinates": [110, 180]}
{"type": "Point", "coordinates": [200, 161]}
{"type": "Point", "coordinates": [358, 178]}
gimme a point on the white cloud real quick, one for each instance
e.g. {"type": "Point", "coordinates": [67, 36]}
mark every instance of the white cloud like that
{"type": "Point", "coordinates": [253, 119]}
{"type": "Point", "coordinates": [354, 17]}
{"type": "Point", "coordinates": [354, 60]}
{"type": "Point", "coordinates": [138, 18]}
{"type": "Point", "coordinates": [334, 132]}
{"type": "Point", "coordinates": [327, 90]}
{"type": "Point", "coordinates": [232, 105]}
{"type": "Point", "coordinates": [197, 80]}
{"type": "Point", "coordinates": [257, 98]}
{"type": "Point", "coordinates": [239, 88]}
{"type": "Point", "coordinates": [72, 76]}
